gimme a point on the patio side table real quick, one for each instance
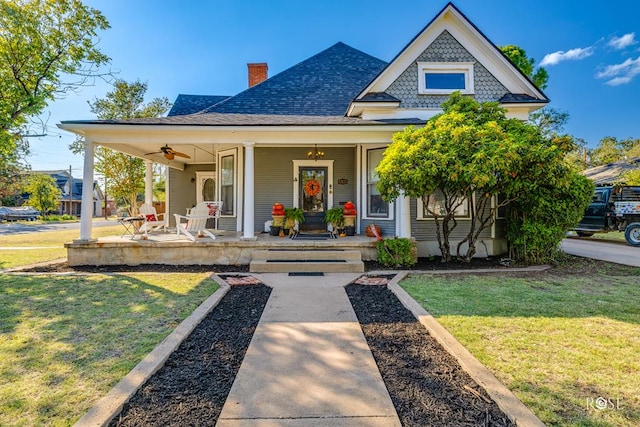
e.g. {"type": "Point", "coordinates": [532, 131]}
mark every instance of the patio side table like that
{"type": "Point", "coordinates": [131, 225]}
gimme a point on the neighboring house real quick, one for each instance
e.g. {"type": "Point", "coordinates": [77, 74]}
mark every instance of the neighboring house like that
{"type": "Point", "coordinates": [324, 121]}
{"type": "Point", "coordinates": [611, 173]}
{"type": "Point", "coordinates": [70, 201]}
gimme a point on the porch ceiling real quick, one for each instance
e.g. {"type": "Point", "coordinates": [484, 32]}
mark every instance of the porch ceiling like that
{"type": "Point", "coordinates": [202, 142]}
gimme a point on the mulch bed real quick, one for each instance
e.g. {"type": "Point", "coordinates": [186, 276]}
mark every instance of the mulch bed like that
{"type": "Point", "coordinates": [63, 267]}
{"type": "Point", "coordinates": [435, 263]}
{"type": "Point", "coordinates": [426, 384]}
{"type": "Point", "coordinates": [194, 383]}
{"type": "Point", "coordinates": [422, 264]}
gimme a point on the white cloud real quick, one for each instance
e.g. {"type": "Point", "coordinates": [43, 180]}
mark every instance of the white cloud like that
{"type": "Point", "coordinates": [622, 42]}
{"type": "Point", "coordinates": [617, 81]}
{"type": "Point", "coordinates": [621, 73]}
{"type": "Point", "coordinates": [573, 54]}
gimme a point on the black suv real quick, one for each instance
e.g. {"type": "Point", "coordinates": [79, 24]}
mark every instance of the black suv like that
{"type": "Point", "coordinates": [613, 208]}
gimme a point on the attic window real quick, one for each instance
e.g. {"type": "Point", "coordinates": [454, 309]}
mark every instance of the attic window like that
{"type": "Point", "coordinates": [443, 78]}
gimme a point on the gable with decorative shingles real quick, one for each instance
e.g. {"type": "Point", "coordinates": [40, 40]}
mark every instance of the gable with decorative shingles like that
{"type": "Point", "coordinates": [445, 48]}
{"type": "Point", "coordinates": [449, 54]}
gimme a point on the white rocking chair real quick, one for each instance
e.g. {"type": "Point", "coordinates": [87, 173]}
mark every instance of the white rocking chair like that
{"type": "Point", "coordinates": [196, 220]}
{"type": "Point", "coordinates": [152, 221]}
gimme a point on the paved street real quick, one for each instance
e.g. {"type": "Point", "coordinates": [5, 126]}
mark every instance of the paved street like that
{"type": "Point", "coordinates": [8, 228]}
{"type": "Point", "coordinates": [612, 252]}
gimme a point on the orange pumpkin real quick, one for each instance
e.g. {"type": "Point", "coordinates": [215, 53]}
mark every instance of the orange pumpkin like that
{"type": "Point", "coordinates": [277, 209]}
{"type": "Point", "coordinates": [349, 209]}
{"type": "Point", "coordinates": [369, 232]}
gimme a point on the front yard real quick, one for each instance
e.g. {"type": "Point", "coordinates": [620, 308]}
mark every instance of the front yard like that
{"type": "Point", "coordinates": [566, 342]}
{"type": "Point", "coordinates": [66, 340]}
{"type": "Point", "coordinates": [31, 248]}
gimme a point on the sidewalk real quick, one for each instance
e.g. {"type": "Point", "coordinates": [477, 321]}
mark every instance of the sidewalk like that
{"type": "Point", "coordinates": [309, 331]}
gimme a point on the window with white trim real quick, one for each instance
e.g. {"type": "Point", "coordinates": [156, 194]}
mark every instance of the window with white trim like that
{"type": "Point", "coordinates": [436, 203]}
{"type": "Point", "coordinates": [443, 78]}
{"type": "Point", "coordinates": [376, 207]}
{"type": "Point", "coordinates": [228, 181]}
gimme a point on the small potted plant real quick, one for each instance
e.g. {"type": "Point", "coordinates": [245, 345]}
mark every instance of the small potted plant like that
{"type": "Point", "coordinates": [335, 217]}
{"type": "Point", "coordinates": [291, 217]}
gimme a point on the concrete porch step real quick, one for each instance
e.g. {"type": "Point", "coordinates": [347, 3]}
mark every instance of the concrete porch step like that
{"type": "Point", "coordinates": [316, 260]}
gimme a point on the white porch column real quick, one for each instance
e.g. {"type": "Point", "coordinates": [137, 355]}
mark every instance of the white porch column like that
{"type": "Point", "coordinates": [148, 182]}
{"type": "Point", "coordinates": [166, 197]}
{"type": "Point", "coordinates": [249, 192]}
{"type": "Point", "coordinates": [403, 223]}
{"type": "Point", "coordinates": [86, 211]}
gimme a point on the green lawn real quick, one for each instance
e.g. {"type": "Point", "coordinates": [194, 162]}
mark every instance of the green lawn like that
{"type": "Point", "coordinates": [559, 340]}
{"type": "Point", "coordinates": [50, 245]}
{"type": "Point", "coordinates": [612, 235]}
{"type": "Point", "coordinates": [66, 340]}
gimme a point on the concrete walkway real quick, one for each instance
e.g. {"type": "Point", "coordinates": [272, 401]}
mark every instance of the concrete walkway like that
{"type": "Point", "coordinates": [310, 332]}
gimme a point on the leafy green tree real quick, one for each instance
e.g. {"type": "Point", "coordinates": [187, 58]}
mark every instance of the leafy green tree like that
{"type": "Point", "coordinates": [473, 149]}
{"type": "Point", "coordinates": [608, 150]}
{"type": "Point", "coordinates": [47, 49]}
{"type": "Point", "coordinates": [551, 122]}
{"type": "Point", "coordinates": [44, 193]}
{"type": "Point", "coordinates": [631, 177]}
{"type": "Point", "coordinates": [579, 155]}
{"type": "Point", "coordinates": [459, 153]}
{"type": "Point", "coordinates": [630, 147]}
{"type": "Point", "coordinates": [123, 173]}
{"type": "Point", "coordinates": [519, 57]}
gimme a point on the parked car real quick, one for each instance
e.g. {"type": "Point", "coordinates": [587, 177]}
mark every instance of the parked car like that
{"type": "Point", "coordinates": [613, 208]}
{"type": "Point", "coordinates": [22, 213]}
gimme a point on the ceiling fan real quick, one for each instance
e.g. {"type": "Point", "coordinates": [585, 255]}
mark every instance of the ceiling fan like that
{"type": "Point", "coordinates": [169, 153]}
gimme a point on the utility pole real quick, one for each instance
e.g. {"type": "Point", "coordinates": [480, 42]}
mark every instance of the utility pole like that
{"type": "Point", "coordinates": [70, 191]}
{"type": "Point", "coordinates": [106, 214]}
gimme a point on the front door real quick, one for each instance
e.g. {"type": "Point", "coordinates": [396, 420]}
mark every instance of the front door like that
{"type": "Point", "coordinates": [313, 186]}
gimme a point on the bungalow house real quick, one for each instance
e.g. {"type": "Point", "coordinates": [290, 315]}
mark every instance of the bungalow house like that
{"type": "Point", "coordinates": [70, 201]}
{"type": "Point", "coordinates": [312, 135]}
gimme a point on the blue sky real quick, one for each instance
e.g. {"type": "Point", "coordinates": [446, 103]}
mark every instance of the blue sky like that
{"type": "Point", "coordinates": [590, 49]}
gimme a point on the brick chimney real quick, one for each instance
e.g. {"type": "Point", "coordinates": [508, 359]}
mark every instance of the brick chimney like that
{"type": "Point", "coordinates": [258, 72]}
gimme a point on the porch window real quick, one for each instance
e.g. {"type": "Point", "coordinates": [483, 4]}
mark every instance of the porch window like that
{"type": "Point", "coordinates": [228, 182]}
{"type": "Point", "coordinates": [376, 207]}
{"type": "Point", "coordinates": [436, 203]}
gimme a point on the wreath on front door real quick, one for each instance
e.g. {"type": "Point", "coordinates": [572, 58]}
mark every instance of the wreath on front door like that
{"type": "Point", "coordinates": [311, 187]}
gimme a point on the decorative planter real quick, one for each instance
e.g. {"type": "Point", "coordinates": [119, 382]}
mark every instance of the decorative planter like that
{"type": "Point", "coordinates": [350, 230]}
{"type": "Point", "coordinates": [349, 220]}
{"type": "Point", "coordinates": [274, 230]}
{"type": "Point", "coordinates": [278, 220]}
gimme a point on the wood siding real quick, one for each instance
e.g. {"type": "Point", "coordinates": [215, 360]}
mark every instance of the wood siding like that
{"type": "Point", "coordinates": [274, 177]}
{"type": "Point", "coordinates": [182, 191]}
{"type": "Point", "coordinates": [425, 229]}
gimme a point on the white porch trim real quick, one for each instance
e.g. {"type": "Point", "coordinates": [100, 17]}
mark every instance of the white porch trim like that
{"type": "Point", "coordinates": [86, 211]}
{"type": "Point", "coordinates": [249, 191]}
{"type": "Point", "coordinates": [148, 182]}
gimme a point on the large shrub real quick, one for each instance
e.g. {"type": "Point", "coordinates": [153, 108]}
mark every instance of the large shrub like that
{"type": "Point", "coordinates": [539, 219]}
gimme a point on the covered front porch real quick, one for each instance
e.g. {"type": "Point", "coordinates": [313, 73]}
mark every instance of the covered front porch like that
{"type": "Point", "coordinates": [249, 168]}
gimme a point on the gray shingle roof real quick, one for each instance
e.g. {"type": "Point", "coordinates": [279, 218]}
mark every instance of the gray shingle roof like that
{"type": "Point", "coordinates": [610, 173]}
{"type": "Point", "coordinates": [322, 85]}
{"type": "Point", "coordinates": [189, 104]}
{"type": "Point", "coordinates": [233, 119]}
{"type": "Point", "coordinates": [378, 97]}
{"type": "Point", "coordinates": [518, 98]}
